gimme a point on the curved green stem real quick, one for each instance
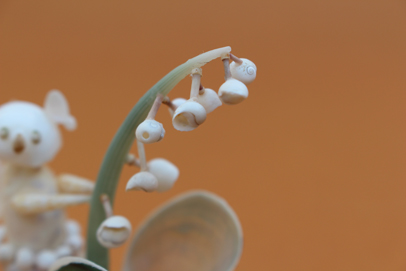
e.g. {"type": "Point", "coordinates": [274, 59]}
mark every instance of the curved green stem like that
{"type": "Point", "coordinates": [116, 155]}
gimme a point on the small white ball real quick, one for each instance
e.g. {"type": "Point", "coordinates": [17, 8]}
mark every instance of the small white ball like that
{"type": "Point", "coordinates": [75, 242]}
{"type": "Point", "coordinates": [24, 258]}
{"type": "Point", "coordinates": [150, 131]}
{"type": "Point", "coordinates": [245, 72]}
{"type": "Point", "coordinates": [72, 227]}
{"type": "Point", "coordinates": [45, 259]}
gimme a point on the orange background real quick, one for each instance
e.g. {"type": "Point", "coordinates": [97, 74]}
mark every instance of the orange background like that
{"type": "Point", "coordinates": [313, 161]}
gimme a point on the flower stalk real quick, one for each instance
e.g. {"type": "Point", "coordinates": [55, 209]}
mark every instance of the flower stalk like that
{"type": "Point", "coordinates": [116, 156]}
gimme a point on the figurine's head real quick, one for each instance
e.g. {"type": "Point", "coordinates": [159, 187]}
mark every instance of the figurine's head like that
{"type": "Point", "coordinates": [29, 135]}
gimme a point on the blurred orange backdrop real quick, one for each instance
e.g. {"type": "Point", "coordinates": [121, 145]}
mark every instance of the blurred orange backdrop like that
{"type": "Point", "coordinates": [313, 162]}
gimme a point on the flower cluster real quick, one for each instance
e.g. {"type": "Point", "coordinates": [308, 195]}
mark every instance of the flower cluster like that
{"type": "Point", "coordinates": [159, 174]}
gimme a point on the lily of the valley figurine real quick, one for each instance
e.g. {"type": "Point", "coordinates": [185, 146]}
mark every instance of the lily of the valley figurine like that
{"type": "Point", "coordinates": [195, 231]}
{"type": "Point", "coordinates": [35, 231]}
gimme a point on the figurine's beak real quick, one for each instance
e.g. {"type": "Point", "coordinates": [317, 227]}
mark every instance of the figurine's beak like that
{"type": "Point", "coordinates": [19, 144]}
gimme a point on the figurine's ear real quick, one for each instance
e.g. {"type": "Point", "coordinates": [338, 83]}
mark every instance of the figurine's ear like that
{"type": "Point", "coordinates": [57, 108]}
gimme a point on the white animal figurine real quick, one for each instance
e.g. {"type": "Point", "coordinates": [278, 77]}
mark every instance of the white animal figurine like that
{"type": "Point", "coordinates": [35, 231]}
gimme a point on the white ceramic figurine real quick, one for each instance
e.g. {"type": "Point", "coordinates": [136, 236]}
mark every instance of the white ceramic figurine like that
{"type": "Point", "coordinates": [35, 231]}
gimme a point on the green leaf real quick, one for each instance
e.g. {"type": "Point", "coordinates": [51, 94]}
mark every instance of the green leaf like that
{"type": "Point", "coordinates": [116, 155]}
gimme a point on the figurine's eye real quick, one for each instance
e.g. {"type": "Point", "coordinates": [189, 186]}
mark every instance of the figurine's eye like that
{"type": "Point", "coordinates": [4, 133]}
{"type": "Point", "coordinates": [36, 137]}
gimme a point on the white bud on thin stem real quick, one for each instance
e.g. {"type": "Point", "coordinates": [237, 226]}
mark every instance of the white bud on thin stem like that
{"type": "Point", "coordinates": [227, 72]}
{"type": "Point", "coordinates": [235, 59]}
{"type": "Point", "coordinates": [106, 205]}
{"type": "Point", "coordinates": [155, 107]}
{"type": "Point", "coordinates": [196, 75]}
{"type": "Point", "coordinates": [141, 155]}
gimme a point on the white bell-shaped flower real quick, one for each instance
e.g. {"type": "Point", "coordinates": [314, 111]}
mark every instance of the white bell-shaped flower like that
{"type": "Point", "coordinates": [114, 231]}
{"type": "Point", "coordinates": [166, 173]}
{"type": "Point", "coordinates": [150, 131]}
{"type": "Point", "coordinates": [245, 72]}
{"type": "Point", "coordinates": [189, 116]}
{"type": "Point", "coordinates": [143, 181]}
{"type": "Point", "coordinates": [176, 103]}
{"type": "Point", "coordinates": [233, 91]}
{"type": "Point", "coordinates": [209, 100]}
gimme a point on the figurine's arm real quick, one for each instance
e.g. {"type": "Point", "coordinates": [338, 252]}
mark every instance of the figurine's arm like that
{"type": "Point", "coordinates": [73, 184]}
{"type": "Point", "coordinates": [34, 203]}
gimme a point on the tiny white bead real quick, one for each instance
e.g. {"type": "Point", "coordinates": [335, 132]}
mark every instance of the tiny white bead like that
{"type": "Point", "coordinates": [24, 259]}
{"type": "Point", "coordinates": [72, 227]}
{"type": "Point", "coordinates": [45, 259]}
{"type": "Point", "coordinates": [75, 242]}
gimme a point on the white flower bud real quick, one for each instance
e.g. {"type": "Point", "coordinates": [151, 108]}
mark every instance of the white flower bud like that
{"type": "Point", "coordinates": [72, 227]}
{"type": "Point", "coordinates": [209, 100]}
{"type": "Point", "coordinates": [75, 242]}
{"type": "Point", "coordinates": [189, 116]}
{"type": "Point", "coordinates": [233, 91]}
{"type": "Point", "coordinates": [142, 181]}
{"type": "Point", "coordinates": [177, 102]}
{"type": "Point", "coordinates": [245, 72]}
{"type": "Point", "coordinates": [24, 259]}
{"type": "Point", "coordinates": [63, 251]}
{"type": "Point", "coordinates": [150, 131]}
{"type": "Point", "coordinates": [45, 259]}
{"type": "Point", "coordinates": [166, 173]}
{"type": "Point", "coordinates": [114, 231]}
{"type": "Point", "coordinates": [6, 252]}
